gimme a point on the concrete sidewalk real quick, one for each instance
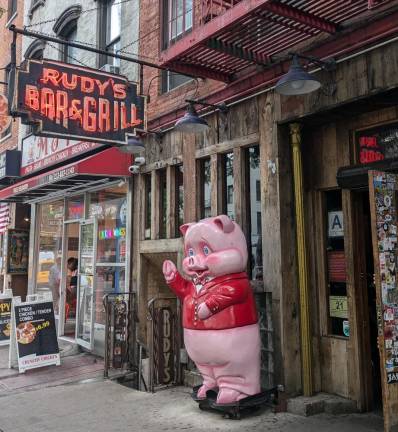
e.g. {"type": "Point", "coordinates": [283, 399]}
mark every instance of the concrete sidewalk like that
{"type": "Point", "coordinates": [104, 406]}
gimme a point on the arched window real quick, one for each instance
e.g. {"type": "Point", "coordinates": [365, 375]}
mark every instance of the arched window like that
{"type": "Point", "coordinates": [35, 50]}
{"type": "Point", "coordinates": [66, 28]}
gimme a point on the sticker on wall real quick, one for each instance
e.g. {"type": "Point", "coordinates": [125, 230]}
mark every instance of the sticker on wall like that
{"type": "Point", "coordinates": [335, 224]}
{"type": "Point", "coordinates": [346, 328]}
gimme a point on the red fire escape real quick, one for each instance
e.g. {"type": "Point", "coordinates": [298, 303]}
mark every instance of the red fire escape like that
{"type": "Point", "coordinates": [231, 36]}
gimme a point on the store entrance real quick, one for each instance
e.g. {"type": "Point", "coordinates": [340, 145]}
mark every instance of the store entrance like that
{"type": "Point", "coordinates": [371, 355]}
{"type": "Point", "coordinates": [68, 295]}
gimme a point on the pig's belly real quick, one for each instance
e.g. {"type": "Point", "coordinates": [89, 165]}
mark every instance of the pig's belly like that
{"type": "Point", "coordinates": [218, 347]}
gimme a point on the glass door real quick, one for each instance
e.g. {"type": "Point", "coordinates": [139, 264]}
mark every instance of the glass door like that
{"type": "Point", "coordinates": [86, 283]}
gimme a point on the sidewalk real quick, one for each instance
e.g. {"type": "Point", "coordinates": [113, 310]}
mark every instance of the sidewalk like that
{"type": "Point", "coordinates": [75, 366]}
{"type": "Point", "coordinates": [104, 406]}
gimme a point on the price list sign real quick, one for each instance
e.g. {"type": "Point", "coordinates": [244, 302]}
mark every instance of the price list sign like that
{"type": "Point", "coordinates": [5, 320]}
{"type": "Point", "coordinates": [35, 335]}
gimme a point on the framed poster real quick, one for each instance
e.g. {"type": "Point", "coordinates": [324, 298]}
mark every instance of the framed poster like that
{"type": "Point", "coordinates": [18, 251]}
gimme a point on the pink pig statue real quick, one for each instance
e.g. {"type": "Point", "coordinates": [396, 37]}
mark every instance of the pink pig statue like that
{"type": "Point", "coordinates": [221, 331]}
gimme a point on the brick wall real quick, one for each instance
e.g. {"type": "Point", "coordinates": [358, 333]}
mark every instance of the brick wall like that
{"type": "Point", "coordinates": [11, 141]}
{"type": "Point", "coordinates": [149, 49]}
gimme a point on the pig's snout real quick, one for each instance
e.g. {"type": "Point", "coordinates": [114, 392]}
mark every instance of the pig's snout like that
{"type": "Point", "coordinates": [196, 265]}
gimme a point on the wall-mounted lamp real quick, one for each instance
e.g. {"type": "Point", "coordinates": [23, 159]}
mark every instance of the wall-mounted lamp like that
{"type": "Point", "coordinates": [135, 145]}
{"type": "Point", "coordinates": [191, 122]}
{"type": "Point", "coordinates": [297, 81]}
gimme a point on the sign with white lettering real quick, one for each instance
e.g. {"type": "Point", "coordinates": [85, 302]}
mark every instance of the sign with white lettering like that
{"type": "Point", "coordinates": [335, 224]}
{"type": "Point", "coordinates": [75, 102]}
{"type": "Point", "coordinates": [34, 334]}
{"type": "Point", "coordinates": [39, 152]}
{"type": "Point", "coordinates": [10, 161]}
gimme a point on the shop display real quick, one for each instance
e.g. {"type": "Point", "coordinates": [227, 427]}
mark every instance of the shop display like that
{"type": "Point", "coordinates": [219, 313]}
{"type": "Point", "coordinates": [18, 247]}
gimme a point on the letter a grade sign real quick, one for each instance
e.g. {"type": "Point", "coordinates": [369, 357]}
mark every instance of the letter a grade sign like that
{"type": "Point", "coordinates": [75, 102]}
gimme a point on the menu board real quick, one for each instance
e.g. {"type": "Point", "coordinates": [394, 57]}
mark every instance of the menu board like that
{"type": "Point", "coordinates": [5, 320]}
{"type": "Point", "coordinates": [34, 334]}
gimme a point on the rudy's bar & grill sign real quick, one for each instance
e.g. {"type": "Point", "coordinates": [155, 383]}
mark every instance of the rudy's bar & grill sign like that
{"type": "Point", "coordinates": [80, 103]}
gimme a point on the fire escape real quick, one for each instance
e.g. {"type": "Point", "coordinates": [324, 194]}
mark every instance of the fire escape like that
{"type": "Point", "coordinates": [231, 39]}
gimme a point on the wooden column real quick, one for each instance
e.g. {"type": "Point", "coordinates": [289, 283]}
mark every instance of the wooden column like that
{"type": "Point", "coordinates": [171, 201]}
{"type": "Point", "coordinates": [239, 180]}
{"type": "Point", "coordinates": [190, 180]}
{"type": "Point", "coordinates": [155, 207]}
{"type": "Point", "coordinates": [305, 328]}
{"type": "Point", "coordinates": [215, 181]}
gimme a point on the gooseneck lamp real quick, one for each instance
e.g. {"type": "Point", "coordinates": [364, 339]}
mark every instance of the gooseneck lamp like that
{"type": "Point", "coordinates": [134, 146]}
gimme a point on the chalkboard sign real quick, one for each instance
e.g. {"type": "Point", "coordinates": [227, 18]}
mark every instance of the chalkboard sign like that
{"type": "Point", "coordinates": [378, 144]}
{"type": "Point", "coordinates": [34, 336]}
{"type": "Point", "coordinates": [5, 319]}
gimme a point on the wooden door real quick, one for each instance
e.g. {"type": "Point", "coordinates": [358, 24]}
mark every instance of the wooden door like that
{"type": "Point", "coordinates": [383, 194]}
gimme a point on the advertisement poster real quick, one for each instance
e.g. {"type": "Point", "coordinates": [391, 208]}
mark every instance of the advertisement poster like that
{"type": "Point", "coordinates": [18, 246]}
{"type": "Point", "coordinates": [35, 335]}
{"type": "Point", "coordinates": [5, 320]}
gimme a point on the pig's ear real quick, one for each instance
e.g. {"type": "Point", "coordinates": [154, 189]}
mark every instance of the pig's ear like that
{"type": "Point", "coordinates": [224, 223]}
{"type": "Point", "coordinates": [184, 228]}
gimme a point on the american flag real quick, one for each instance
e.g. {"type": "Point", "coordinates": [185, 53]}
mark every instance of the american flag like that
{"type": "Point", "coordinates": [4, 216]}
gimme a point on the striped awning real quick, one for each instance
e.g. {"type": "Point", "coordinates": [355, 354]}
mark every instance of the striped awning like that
{"type": "Point", "coordinates": [4, 216]}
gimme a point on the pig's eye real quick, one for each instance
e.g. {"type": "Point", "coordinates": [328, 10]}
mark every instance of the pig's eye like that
{"type": "Point", "coordinates": [206, 250]}
{"type": "Point", "coordinates": [191, 252]}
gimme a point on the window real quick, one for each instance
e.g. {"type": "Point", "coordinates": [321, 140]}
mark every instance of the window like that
{"type": "Point", "coordinates": [180, 18]}
{"type": "Point", "coordinates": [66, 28]}
{"type": "Point", "coordinates": [12, 8]}
{"type": "Point", "coordinates": [205, 189]}
{"type": "Point", "coordinates": [113, 25]}
{"type": "Point", "coordinates": [7, 132]}
{"type": "Point", "coordinates": [336, 270]}
{"type": "Point", "coordinates": [177, 20]}
{"type": "Point", "coordinates": [162, 203]}
{"type": "Point", "coordinates": [179, 212]}
{"type": "Point", "coordinates": [228, 184]}
{"type": "Point", "coordinates": [35, 50]}
{"type": "Point", "coordinates": [252, 171]}
{"type": "Point", "coordinates": [148, 213]}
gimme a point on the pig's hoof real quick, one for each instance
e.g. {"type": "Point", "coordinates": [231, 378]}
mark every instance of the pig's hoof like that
{"type": "Point", "coordinates": [228, 396]}
{"type": "Point", "coordinates": [202, 391]}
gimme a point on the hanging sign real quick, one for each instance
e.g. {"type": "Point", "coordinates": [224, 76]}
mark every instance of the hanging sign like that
{"type": "Point", "coordinates": [335, 224]}
{"type": "Point", "coordinates": [39, 152]}
{"type": "Point", "coordinates": [75, 102]}
{"type": "Point", "coordinates": [5, 118]}
{"type": "Point", "coordinates": [10, 161]}
{"type": "Point", "coordinates": [34, 337]}
{"type": "Point", "coordinates": [5, 318]}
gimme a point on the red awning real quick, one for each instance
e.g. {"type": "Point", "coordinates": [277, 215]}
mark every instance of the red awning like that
{"type": "Point", "coordinates": [107, 165]}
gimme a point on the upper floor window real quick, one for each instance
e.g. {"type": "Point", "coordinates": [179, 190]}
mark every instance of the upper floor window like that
{"type": "Point", "coordinates": [180, 18]}
{"type": "Point", "coordinates": [66, 28]}
{"type": "Point", "coordinates": [113, 26]}
{"type": "Point", "coordinates": [12, 8]}
{"type": "Point", "coordinates": [35, 50]}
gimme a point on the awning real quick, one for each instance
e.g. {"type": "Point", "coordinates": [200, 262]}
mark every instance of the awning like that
{"type": "Point", "coordinates": [107, 165]}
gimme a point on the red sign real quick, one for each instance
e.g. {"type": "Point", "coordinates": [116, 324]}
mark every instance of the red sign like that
{"type": "Point", "coordinates": [40, 152]}
{"type": "Point", "coordinates": [378, 143]}
{"type": "Point", "coordinates": [75, 102]}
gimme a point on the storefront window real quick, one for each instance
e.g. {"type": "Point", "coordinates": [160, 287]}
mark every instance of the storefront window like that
{"type": "Point", "coordinates": [50, 248]}
{"type": "Point", "coordinates": [228, 185]}
{"type": "Point", "coordinates": [179, 179]}
{"type": "Point", "coordinates": [75, 208]}
{"type": "Point", "coordinates": [109, 206]}
{"type": "Point", "coordinates": [254, 212]}
{"type": "Point", "coordinates": [205, 191]}
{"type": "Point", "coordinates": [337, 301]}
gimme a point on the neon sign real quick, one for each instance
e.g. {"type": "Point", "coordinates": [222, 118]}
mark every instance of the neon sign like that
{"type": "Point", "coordinates": [112, 233]}
{"type": "Point", "coordinates": [76, 102]}
{"type": "Point", "coordinates": [378, 144]}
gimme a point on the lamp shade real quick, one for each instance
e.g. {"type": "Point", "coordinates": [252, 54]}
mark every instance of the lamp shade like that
{"type": "Point", "coordinates": [191, 122]}
{"type": "Point", "coordinates": [297, 81]}
{"type": "Point", "coordinates": [134, 146]}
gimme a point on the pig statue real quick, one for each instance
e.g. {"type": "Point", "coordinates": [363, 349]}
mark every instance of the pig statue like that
{"type": "Point", "coordinates": [221, 331]}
